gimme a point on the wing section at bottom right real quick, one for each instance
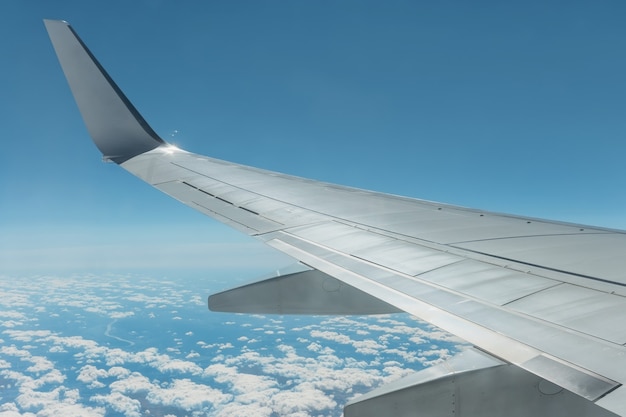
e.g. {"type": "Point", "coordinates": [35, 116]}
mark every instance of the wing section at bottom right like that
{"type": "Point", "coordinates": [549, 341]}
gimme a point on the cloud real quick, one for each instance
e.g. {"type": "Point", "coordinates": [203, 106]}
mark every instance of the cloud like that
{"type": "Point", "coordinates": [27, 335]}
{"type": "Point", "coordinates": [332, 336]}
{"type": "Point", "coordinates": [70, 409]}
{"type": "Point", "coordinates": [39, 364]}
{"type": "Point", "coordinates": [119, 403]}
{"type": "Point", "coordinates": [303, 401]}
{"type": "Point", "coordinates": [133, 383]}
{"type": "Point", "coordinates": [236, 409]}
{"type": "Point", "coordinates": [12, 315]}
{"type": "Point", "coordinates": [14, 351]}
{"type": "Point", "coordinates": [118, 372]}
{"type": "Point", "coordinates": [89, 375]}
{"type": "Point", "coordinates": [292, 366]}
{"type": "Point", "coordinates": [59, 401]}
{"type": "Point", "coordinates": [188, 395]}
{"type": "Point", "coordinates": [240, 382]}
{"type": "Point", "coordinates": [121, 315]}
{"type": "Point", "coordinates": [180, 393]}
{"type": "Point", "coordinates": [177, 366]}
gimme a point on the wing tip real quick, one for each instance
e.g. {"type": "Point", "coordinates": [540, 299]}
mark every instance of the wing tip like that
{"type": "Point", "coordinates": [48, 22]}
{"type": "Point", "coordinates": [115, 126]}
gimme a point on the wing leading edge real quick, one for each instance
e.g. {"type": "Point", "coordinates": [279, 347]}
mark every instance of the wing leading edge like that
{"type": "Point", "coordinates": [544, 298]}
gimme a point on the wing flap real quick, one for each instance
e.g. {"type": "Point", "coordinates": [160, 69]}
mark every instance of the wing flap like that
{"type": "Point", "coordinates": [584, 310]}
{"type": "Point", "coordinates": [488, 282]}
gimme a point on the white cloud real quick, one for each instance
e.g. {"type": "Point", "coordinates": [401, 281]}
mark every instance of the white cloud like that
{"type": "Point", "coordinates": [119, 403]}
{"type": "Point", "coordinates": [188, 395]}
{"type": "Point", "coordinates": [57, 349]}
{"type": "Point", "coordinates": [53, 377]}
{"type": "Point", "coordinates": [177, 366]}
{"type": "Point", "coordinates": [12, 315]}
{"type": "Point", "coordinates": [118, 372]}
{"type": "Point", "coordinates": [14, 351]}
{"type": "Point", "coordinates": [241, 383]}
{"type": "Point", "coordinates": [40, 364]}
{"type": "Point", "coordinates": [334, 358]}
{"type": "Point", "coordinates": [89, 375]}
{"type": "Point", "coordinates": [236, 409]}
{"type": "Point", "coordinates": [304, 401]}
{"type": "Point", "coordinates": [67, 409]}
{"type": "Point", "coordinates": [314, 347]}
{"type": "Point", "coordinates": [407, 357]}
{"type": "Point", "coordinates": [11, 410]}
{"type": "Point", "coordinates": [121, 314]}
{"type": "Point", "coordinates": [133, 383]}
{"type": "Point", "coordinates": [332, 336]}
{"type": "Point", "coordinates": [181, 393]}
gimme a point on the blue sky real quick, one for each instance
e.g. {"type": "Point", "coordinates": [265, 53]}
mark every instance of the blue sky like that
{"type": "Point", "coordinates": [516, 107]}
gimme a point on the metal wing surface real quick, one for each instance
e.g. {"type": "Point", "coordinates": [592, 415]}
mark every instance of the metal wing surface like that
{"type": "Point", "coordinates": [540, 299]}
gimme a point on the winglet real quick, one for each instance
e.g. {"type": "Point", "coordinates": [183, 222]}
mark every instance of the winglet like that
{"type": "Point", "coordinates": [115, 126]}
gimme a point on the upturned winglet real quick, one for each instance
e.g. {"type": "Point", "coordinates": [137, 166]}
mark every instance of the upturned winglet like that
{"type": "Point", "coordinates": [115, 126]}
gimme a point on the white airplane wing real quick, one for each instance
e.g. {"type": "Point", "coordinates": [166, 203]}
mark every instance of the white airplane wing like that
{"type": "Point", "coordinates": [543, 302]}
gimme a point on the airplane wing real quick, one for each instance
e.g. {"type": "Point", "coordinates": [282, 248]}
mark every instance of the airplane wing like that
{"type": "Point", "coordinates": [543, 302]}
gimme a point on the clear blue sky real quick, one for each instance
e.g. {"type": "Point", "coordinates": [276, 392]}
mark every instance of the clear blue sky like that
{"type": "Point", "coordinates": [515, 107]}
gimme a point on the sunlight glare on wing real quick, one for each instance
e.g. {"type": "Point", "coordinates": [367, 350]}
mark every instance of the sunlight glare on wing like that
{"type": "Point", "coordinates": [170, 149]}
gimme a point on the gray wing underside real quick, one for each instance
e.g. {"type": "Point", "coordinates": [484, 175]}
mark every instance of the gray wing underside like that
{"type": "Point", "coordinates": [545, 297]}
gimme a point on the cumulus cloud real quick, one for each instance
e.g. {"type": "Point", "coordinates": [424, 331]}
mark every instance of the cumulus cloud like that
{"type": "Point", "coordinates": [89, 375]}
{"type": "Point", "coordinates": [188, 395]}
{"type": "Point", "coordinates": [39, 364]}
{"type": "Point", "coordinates": [177, 366]}
{"type": "Point", "coordinates": [119, 403]}
{"type": "Point", "coordinates": [70, 409]}
{"type": "Point", "coordinates": [304, 401]}
{"type": "Point", "coordinates": [296, 367]}
{"type": "Point", "coordinates": [14, 351]}
{"type": "Point", "coordinates": [121, 314]}
{"type": "Point", "coordinates": [12, 315]}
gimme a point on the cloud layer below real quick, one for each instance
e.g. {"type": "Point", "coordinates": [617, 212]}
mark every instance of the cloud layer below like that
{"type": "Point", "coordinates": [92, 345]}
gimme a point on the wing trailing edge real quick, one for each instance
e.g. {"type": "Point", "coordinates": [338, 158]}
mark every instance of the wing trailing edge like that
{"type": "Point", "coordinates": [115, 126]}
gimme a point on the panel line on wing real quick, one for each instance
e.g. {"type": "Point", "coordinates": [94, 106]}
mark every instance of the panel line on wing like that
{"type": "Point", "coordinates": [380, 265]}
{"type": "Point", "coordinates": [227, 219]}
{"type": "Point", "coordinates": [225, 201]}
{"type": "Point", "coordinates": [562, 271]}
{"type": "Point", "coordinates": [461, 242]}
